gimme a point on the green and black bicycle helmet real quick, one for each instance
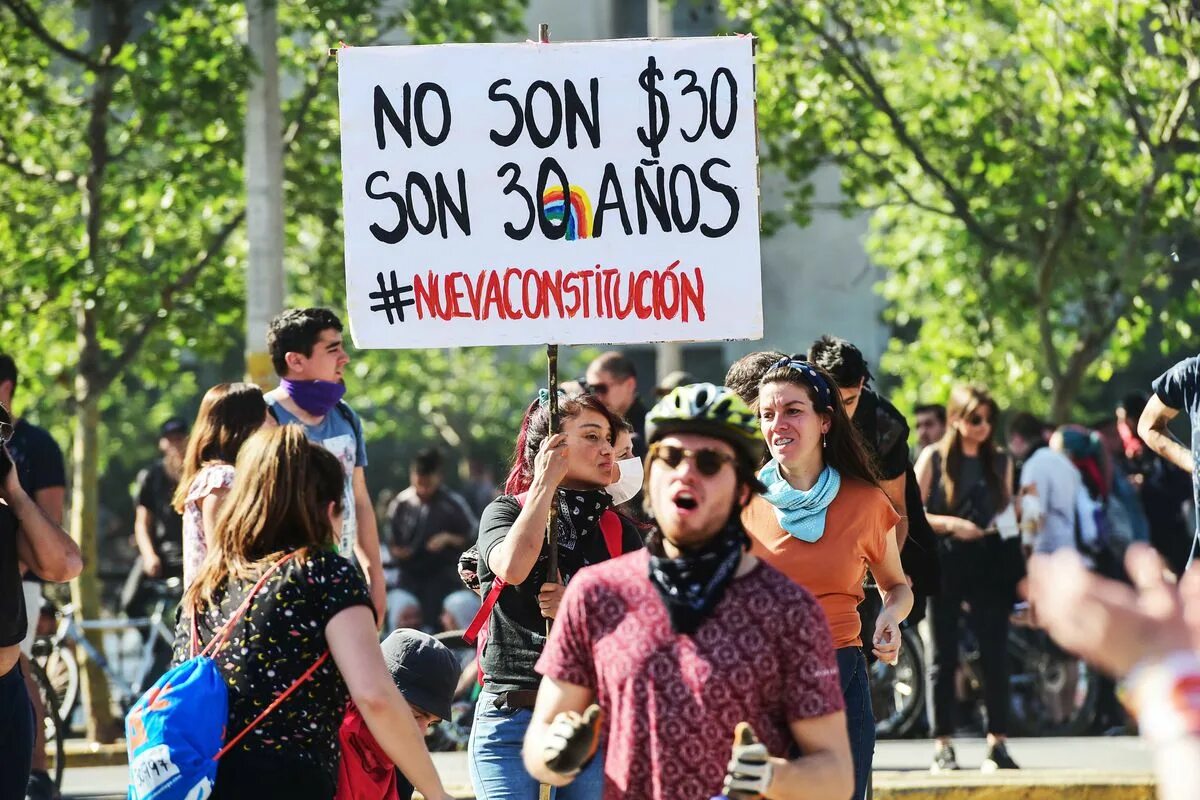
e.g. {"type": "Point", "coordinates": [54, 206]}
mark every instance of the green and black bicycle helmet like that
{"type": "Point", "coordinates": [710, 410]}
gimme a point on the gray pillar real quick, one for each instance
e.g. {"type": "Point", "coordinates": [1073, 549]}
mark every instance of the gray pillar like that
{"type": "Point", "coordinates": [264, 190]}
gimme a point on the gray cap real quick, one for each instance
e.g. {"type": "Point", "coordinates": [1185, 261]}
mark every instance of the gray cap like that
{"type": "Point", "coordinates": [425, 670]}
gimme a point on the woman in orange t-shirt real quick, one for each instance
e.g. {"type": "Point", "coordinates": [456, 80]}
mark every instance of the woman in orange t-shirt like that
{"type": "Point", "coordinates": [823, 522]}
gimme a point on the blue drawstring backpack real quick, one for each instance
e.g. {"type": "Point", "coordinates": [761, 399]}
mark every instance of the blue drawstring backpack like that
{"type": "Point", "coordinates": [175, 733]}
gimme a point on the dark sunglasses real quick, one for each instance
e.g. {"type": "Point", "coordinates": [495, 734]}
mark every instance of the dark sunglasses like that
{"type": "Point", "coordinates": [6, 432]}
{"type": "Point", "coordinates": [708, 461]}
{"type": "Point", "coordinates": [598, 389]}
{"type": "Point", "coordinates": [976, 419]}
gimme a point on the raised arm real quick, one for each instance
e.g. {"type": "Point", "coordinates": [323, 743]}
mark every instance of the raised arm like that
{"type": "Point", "coordinates": [1152, 427]}
{"type": "Point", "coordinates": [513, 558]}
{"type": "Point", "coordinates": [43, 546]}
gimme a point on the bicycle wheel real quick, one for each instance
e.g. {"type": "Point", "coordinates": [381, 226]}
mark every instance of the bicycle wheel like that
{"type": "Point", "coordinates": [898, 692]}
{"type": "Point", "coordinates": [1053, 693]}
{"type": "Point", "coordinates": [62, 671]}
{"type": "Point", "coordinates": [55, 733]}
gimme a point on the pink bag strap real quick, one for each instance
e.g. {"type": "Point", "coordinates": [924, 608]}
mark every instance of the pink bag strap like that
{"type": "Point", "coordinates": [485, 611]}
{"type": "Point", "coordinates": [227, 628]}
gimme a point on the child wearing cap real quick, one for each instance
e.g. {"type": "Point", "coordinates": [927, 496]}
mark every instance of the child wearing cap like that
{"type": "Point", "coordinates": [426, 673]}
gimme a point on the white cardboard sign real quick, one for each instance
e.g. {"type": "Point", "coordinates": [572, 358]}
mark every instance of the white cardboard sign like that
{"type": "Point", "coordinates": [458, 227]}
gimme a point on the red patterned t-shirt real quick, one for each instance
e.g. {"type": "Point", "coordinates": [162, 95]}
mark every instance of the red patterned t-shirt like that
{"type": "Point", "coordinates": [670, 701]}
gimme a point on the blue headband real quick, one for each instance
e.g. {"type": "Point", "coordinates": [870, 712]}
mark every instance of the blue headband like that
{"type": "Point", "coordinates": [813, 378]}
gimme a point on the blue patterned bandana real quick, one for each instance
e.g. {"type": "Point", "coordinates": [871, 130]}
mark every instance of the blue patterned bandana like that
{"type": "Point", "coordinates": [824, 400]}
{"type": "Point", "coordinates": [800, 513]}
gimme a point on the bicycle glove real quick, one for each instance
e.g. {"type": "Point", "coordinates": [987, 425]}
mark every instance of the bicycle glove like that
{"type": "Point", "coordinates": [572, 740]}
{"type": "Point", "coordinates": [749, 771]}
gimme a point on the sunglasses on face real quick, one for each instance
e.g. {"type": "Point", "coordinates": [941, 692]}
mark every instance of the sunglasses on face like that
{"type": "Point", "coordinates": [977, 420]}
{"type": "Point", "coordinates": [598, 389]}
{"type": "Point", "coordinates": [707, 460]}
{"type": "Point", "coordinates": [6, 432]}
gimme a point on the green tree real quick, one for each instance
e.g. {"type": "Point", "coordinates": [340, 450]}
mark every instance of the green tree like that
{"type": "Point", "coordinates": [120, 167]}
{"type": "Point", "coordinates": [1030, 168]}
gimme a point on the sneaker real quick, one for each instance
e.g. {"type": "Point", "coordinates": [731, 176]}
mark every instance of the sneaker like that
{"type": "Point", "coordinates": [998, 758]}
{"type": "Point", "coordinates": [40, 787]}
{"type": "Point", "coordinates": [944, 759]}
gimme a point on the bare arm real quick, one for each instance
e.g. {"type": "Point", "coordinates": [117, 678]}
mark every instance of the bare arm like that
{"type": "Point", "coordinates": [825, 771]}
{"type": "Point", "coordinates": [897, 601]}
{"type": "Point", "coordinates": [942, 524]}
{"type": "Point", "coordinates": [1152, 427]}
{"type": "Point", "coordinates": [554, 698]}
{"type": "Point", "coordinates": [42, 545]}
{"type": "Point", "coordinates": [354, 644]}
{"type": "Point", "coordinates": [513, 559]}
{"type": "Point", "coordinates": [143, 521]}
{"type": "Point", "coordinates": [51, 500]}
{"type": "Point", "coordinates": [210, 505]}
{"type": "Point", "coordinates": [366, 547]}
{"type": "Point", "coordinates": [894, 489]}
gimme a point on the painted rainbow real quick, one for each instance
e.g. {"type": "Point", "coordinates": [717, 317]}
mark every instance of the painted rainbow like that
{"type": "Point", "coordinates": [577, 209]}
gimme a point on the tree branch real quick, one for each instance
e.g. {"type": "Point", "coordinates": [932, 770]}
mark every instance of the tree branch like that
{"type": "Point", "coordinates": [878, 98]}
{"type": "Point", "coordinates": [29, 169]}
{"type": "Point", "coordinates": [29, 18]}
{"type": "Point", "coordinates": [167, 295]}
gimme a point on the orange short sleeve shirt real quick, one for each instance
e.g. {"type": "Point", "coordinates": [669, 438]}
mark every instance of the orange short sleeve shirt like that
{"type": "Point", "coordinates": [833, 567]}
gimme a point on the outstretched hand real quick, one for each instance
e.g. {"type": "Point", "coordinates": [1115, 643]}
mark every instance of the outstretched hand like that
{"type": "Point", "coordinates": [1110, 624]}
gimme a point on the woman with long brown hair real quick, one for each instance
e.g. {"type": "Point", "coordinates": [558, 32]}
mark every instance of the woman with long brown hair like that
{"type": "Point", "coordinates": [966, 482]}
{"type": "Point", "coordinates": [823, 522]}
{"type": "Point", "coordinates": [274, 549]}
{"type": "Point", "coordinates": [229, 414]}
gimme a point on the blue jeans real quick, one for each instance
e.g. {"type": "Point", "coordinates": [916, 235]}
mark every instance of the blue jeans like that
{"type": "Point", "coordinates": [860, 718]}
{"type": "Point", "coordinates": [497, 771]}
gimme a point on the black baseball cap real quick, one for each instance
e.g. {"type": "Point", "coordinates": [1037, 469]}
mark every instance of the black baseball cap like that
{"type": "Point", "coordinates": [173, 426]}
{"type": "Point", "coordinates": [424, 670]}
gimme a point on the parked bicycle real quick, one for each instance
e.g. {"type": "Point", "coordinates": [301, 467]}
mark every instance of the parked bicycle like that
{"type": "Point", "coordinates": [56, 658]}
{"type": "Point", "coordinates": [1053, 693]}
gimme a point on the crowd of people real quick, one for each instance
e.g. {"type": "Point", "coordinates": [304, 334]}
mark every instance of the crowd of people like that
{"type": "Point", "coordinates": [691, 622]}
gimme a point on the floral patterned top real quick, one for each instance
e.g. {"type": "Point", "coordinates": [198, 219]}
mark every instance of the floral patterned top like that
{"type": "Point", "coordinates": [212, 478]}
{"type": "Point", "coordinates": [281, 635]}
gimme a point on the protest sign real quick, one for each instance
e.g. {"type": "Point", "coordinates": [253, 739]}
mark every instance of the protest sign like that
{"type": "Point", "coordinates": [562, 193]}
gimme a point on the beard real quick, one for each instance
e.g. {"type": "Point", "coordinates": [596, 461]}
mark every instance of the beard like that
{"type": "Point", "coordinates": [173, 463]}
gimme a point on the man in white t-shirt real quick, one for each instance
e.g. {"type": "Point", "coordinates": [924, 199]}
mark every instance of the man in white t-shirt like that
{"type": "Point", "coordinates": [1054, 480]}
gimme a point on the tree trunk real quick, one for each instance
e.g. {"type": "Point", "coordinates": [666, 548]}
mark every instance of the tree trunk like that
{"type": "Point", "coordinates": [1065, 392]}
{"type": "Point", "coordinates": [85, 591]}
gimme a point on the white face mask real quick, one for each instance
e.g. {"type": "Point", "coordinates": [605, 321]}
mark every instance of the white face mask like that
{"type": "Point", "coordinates": [629, 484]}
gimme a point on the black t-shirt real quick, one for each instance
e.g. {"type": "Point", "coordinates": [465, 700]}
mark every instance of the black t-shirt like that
{"type": "Point", "coordinates": [156, 491]}
{"type": "Point", "coordinates": [412, 523]}
{"type": "Point", "coordinates": [278, 639]}
{"type": "Point", "coordinates": [38, 458]}
{"type": "Point", "coordinates": [517, 629]}
{"type": "Point", "coordinates": [13, 622]}
{"type": "Point", "coordinates": [886, 433]}
{"type": "Point", "coordinates": [39, 462]}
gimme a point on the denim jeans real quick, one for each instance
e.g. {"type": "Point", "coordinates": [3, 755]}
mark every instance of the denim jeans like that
{"type": "Point", "coordinates": [860, 718]}
{"type": "Point", "coordinates": [497, 771]}
{"type": "Point", "coordinates": [16, 733]}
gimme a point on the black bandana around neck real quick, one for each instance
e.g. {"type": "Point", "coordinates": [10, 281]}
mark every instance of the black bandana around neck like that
{"type": "Point", "coordinates": [692, 585]}
{"type": "Point", "coordinates": [579, 511]}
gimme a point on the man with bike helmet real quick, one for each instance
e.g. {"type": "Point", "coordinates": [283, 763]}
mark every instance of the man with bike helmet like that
{"type": "Point", "coordinates": [675, 645]}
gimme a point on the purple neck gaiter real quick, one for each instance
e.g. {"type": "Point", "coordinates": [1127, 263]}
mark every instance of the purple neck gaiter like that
{"type": "Point", "coordinates": [316, 397]}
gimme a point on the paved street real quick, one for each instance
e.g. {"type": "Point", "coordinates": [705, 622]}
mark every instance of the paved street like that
{"type": "Point", "coordinates": [1116, 754]}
